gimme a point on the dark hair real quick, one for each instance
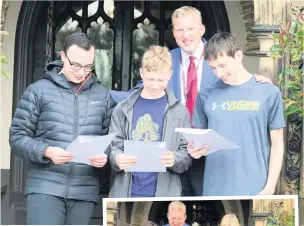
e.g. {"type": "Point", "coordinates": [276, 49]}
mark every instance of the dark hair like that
{"type": "Point", "coordinates": [219, 44]}
{"type": "Point", "coordinates": [81, 40]}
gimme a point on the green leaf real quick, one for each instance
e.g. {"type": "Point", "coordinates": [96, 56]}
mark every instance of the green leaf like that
{"type": "Point", "coordinates": [289, 71]}
{"type": "Point", "coordinates": [285, 39]}
{"type": "Point", "coordinates": [300, 34]}
{"type": "Point", "coordinates": [275, 36]}
{"type": "Point", "coordinates": [280, 77]}
{"type": "Point", "coordinates": [276, 48]}
{"type": "Point", "coordinates": [289, 102]}
{"type": "Point", "coordinates": [292, 109]}
{"type": "Point", "coordinates": [4, 61]}
{"type": "Point", "coordinates": [292, 85]}
{"type": "Point", "coordinates": [297, 95]}
{"type": "Point", "coordinates": [275, 54]}
{"type": "Point", "coordinates": [295, 57]}
{"type": "Point", "coordinates": [2, 72]}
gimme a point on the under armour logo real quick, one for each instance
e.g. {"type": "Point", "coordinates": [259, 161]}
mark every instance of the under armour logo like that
{"type": "Point", "coordinates": [95, 102]}
{"type": "Point", "coordinates": [222, 106]}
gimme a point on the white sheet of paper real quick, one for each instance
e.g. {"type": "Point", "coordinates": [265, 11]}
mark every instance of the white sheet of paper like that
{"type": "Point", "coordinates": [208, 137]}
{"type": "Point", "coordinates": [83, 147]}
{"type": "Point", "coordinates": [148, 155]}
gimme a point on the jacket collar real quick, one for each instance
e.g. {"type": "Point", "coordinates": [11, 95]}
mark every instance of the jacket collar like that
{"type": "Point", "coordinates": [129, 103]}
{"type": "Point", "coordinates": [52, 73]}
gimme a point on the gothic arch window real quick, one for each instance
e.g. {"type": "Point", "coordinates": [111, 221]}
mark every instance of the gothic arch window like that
{"type": "Point", "coordinates": [92, 17]}
{"type": "Point", "coordinates": [123, 30]}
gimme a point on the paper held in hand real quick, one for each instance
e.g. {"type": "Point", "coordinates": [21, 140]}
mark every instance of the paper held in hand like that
{"type": "Point", "coordinates": [84, 147]}
{"type": "Point", "coordinates": [147, 154]}
{"type": "Point", "coordinates": [207, 137]}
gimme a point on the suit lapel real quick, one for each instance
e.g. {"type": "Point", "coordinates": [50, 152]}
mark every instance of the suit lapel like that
{"type": "Point", "coordinates": [176, 83]}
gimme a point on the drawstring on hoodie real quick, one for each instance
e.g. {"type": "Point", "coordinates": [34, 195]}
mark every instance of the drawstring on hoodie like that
{"type": "Point", "coordinates": [84, 82]}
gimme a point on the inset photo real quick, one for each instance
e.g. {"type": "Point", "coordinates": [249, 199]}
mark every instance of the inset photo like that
{"type": "Point", "coordinates": [202, 211]}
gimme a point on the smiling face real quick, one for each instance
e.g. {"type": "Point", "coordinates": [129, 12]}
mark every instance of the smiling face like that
{"type": "Point", "coordinates": [187, 28]}
{"type": "Point", "coordinates": [176, 217]}
{"type": "Point", "coordinates": [227, 67]}
{"type": "Point", "coordinates": [74, 58]}
{"type": "Point", "coordinates": [225, 57]}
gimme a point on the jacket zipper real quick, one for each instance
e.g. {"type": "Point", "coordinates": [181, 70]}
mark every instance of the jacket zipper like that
{"type": "Point", "coordinates": [75, 129]}
{"type": "Point", "coordinates": [163, 139]}
{"type": "Point", "coordinates": [129, 191]}
{"type": "Point", "coordinates": [75, 132]}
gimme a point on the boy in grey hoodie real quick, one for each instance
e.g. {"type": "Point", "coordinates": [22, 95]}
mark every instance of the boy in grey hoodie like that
{"type": "Point", "coordinates": [150, 114]}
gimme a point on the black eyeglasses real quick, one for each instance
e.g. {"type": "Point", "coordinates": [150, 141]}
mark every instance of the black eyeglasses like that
{"type": "Point", "coordinates": [77, 67]}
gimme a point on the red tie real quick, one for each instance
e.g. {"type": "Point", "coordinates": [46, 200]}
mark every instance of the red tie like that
{"type": "Point", "coordinates": [191, 86]}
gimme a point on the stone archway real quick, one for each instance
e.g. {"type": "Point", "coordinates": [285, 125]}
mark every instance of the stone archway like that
{"type": "Point", "coordinates": [234, 206]}
{"type": "Point", "coordinates": [140, 213]}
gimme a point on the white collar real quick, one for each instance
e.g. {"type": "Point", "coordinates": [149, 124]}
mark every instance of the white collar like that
{"type": "Point", "coordinates": [197, 54]}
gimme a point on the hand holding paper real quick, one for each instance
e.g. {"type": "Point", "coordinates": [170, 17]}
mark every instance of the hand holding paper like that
{"type": "Point", "coordinates": [168, 159]}
{"type": "Point", "coordinates": [98, 160]}
{"type": "Point", "coordinates": [90, 149]}
{"type": "Point", "coordinates": [207, 137]}
{"type": "Point", "coordinates": [197, 152]}
{"type": "Point", "coordinates": [125, 161]}
{"type": "Point", "coordinates": [148, 155]}
{"type": "Point", "coordinates": [58, 155]}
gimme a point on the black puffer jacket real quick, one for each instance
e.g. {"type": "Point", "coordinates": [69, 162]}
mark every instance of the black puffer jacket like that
{"type": "Point", "coordinates": [50, 114]}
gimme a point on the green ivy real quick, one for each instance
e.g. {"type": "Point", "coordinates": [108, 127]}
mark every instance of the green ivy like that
{"type": "Point", "coordinates": [3, 58]}
{"type": "Point", "coordinates": [290, 43]}
{"type": "Point", "coordinates": [281, 218]}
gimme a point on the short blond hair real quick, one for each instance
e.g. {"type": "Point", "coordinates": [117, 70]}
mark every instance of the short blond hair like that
{"type": "Point", "coordinates": [177, 205]}
{"type": "Point", "coordinates": [230, 220]}
{"type": "Point", "coordinates": [157, 59]}
{"type": "Point", "coordinates": [187, 11]}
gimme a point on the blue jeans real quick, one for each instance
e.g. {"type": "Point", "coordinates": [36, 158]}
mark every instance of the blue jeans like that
{"type": "Point", "coordinates": [53, 210]}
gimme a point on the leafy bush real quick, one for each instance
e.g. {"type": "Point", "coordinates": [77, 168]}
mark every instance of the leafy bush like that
{"type": "Point", "coordinates": [289, 43]}
{"type": "Point", "coordinates": [3, 58]}
{"type": "Point", "coordinates": [281, 218]}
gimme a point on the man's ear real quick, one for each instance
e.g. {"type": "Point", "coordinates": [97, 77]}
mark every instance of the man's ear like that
{"type": "Point", "coordinates": [238, 55]}
{"type": "Point", "coordinates": [62, 55]}
{"type": "Point", "coordinates": [141, 73]}
{"type": "Point", "coordinates": [170, 75]}
{"type": "Point", "coordinates": [203, 29]}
